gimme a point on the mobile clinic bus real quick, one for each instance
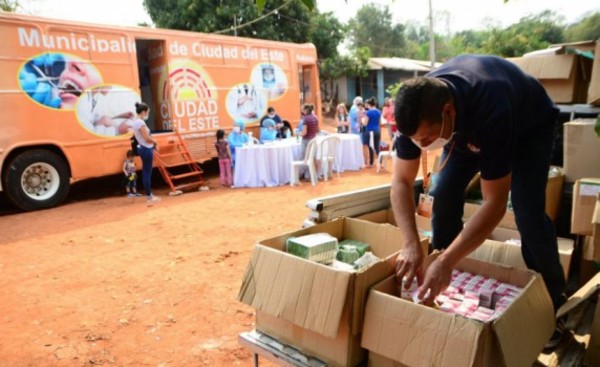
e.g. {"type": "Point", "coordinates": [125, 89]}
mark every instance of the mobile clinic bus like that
{"type": "Point", "coordinates": [68, 91]}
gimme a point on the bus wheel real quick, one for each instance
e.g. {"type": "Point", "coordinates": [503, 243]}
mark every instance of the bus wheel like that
{"type": "Point", "coordinates": [37, 179]}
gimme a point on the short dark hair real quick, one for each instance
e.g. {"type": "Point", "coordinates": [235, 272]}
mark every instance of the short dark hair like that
{"type": "Point", "coordinates": [270, 109]}
{"type": "Point", "coordinates": [308, 108]}
{"type": "Point", "coordinates": [372, 101]}
{"type": "Point", "coordinates": [220, 134]}
{"type": "Point", "coordinates": [130, 154]}
{"type": "Point", "coordinates": [420, 98]}
{"type": "Point", "coordinates": [141, 107]}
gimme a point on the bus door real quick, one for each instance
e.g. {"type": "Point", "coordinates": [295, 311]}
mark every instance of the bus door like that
{"type": "Point", "coordinates": [309, 87]}
{"type": "Point", "coordinates": [152, 64]}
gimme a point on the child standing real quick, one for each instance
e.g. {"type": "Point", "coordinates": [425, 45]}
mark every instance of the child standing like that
{"type": "Point", "coordinates": [224, 159]}
{"type": "Point", "coordinates": [130, 175]}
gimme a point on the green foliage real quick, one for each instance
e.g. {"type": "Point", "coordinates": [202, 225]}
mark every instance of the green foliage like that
{"type": "Point", "coordinates": [280, 20]}
{"type": "Point", "coordinates": [335, 67]}
{"type": "Point", "coordinates": [372, 27]}
{"type": "Point", "coordinates": [9, 5]}
{"type": "Point", "coordinates": [326, 32]}
{"type": "Point", "coordinates": [530, 33]}
{"type": "Point", "coordinates": [393, 89]}
{"type": "Point", "coordinates": [587, 29]}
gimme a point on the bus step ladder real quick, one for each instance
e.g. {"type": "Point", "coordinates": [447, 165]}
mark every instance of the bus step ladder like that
{"type": "Point", "coordinates": [179, 158]}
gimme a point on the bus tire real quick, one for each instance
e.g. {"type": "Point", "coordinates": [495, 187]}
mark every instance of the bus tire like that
{"type": "Point", "coordinates": [36, 179]}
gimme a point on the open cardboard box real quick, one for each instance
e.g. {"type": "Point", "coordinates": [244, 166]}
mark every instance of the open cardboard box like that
{"type": "Point", "coordinates": [590, 291]}
{"type": "Point", "coordinates": [496, 250]}
{"type": "Point", "coordinates": [398, 332]}
{"type": "Point", "coordinates": [567, 75]}
{"type": "Point", "coordinates": [311, 306]}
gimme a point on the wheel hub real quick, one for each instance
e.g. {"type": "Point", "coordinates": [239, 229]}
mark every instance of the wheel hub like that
{"type": "Point", "coordinates": [36, 180]}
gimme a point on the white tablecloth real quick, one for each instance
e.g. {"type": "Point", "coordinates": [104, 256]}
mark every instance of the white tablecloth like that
{"type": "Point", "coordinates": [265, 165]}
{"type": "Point", "coordinates": [270, 164]}
{"type": "Point", "coordinates": [349, 155]}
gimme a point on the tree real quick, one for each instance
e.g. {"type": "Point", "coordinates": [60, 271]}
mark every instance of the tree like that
{"type": "Point", "coordinates": [326, 32]}
{"type": "Point", "coordinates": [333, 68]}
{"type": "Point", "coordinates": [587, 29]}
{"type": "Point", "coordinates": [530, 33]}
{"type": "Point", "coordinates": [281, 20]}
{"type": "Point", "coordinates": [372, 28]}
{"type": "Point", "coordinates": [9, 5]}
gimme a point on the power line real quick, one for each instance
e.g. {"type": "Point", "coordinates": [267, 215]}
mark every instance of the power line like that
{"type": "Point", "coordinates": [274, 11]}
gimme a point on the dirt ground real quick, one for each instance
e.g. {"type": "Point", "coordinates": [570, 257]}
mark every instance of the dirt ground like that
{"type": "Point", "coordinates": [104, 281]}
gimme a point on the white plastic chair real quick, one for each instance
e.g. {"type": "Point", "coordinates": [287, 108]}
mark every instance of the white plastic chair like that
{"type": "Point", "coordinates": [383, 155]}
{"type": "Point", "coordinates": [309, 160]}
{"type": "Point", "coordinates": [328, 150]}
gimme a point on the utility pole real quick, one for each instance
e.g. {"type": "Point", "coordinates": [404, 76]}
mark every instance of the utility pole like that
{"type": "Point", "coordinates": [431, 37]}
{"type": "Point", "coordinates": [235, 25]}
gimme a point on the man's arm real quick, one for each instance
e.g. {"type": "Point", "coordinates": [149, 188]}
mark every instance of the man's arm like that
{"type": "Point", "coordinates": [411, 255]}
{"type": "Point", "coordinates": [477, 229]}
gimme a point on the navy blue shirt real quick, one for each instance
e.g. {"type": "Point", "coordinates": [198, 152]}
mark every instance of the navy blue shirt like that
{"type": "Point", "coordinates": [497, 107]}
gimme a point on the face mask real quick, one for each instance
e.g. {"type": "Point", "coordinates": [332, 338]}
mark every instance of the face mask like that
{"type": "Point", "coordinates": [146, 117]}
{"type": "Point", "coordinates": [236, 129]}
{"type": "Point", "coordinates": [437, 143]}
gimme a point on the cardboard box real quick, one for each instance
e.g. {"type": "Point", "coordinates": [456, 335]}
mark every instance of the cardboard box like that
{"type": "Point", "coordinates": [311, 306]}
{"type": "Point", "coordinates": [387, 217]}
{"type": "Point", "coordinates": [589, 292]}
{"type": "Point", "coordinates": [508, 221]}
{"type": "Point", "coordinates": [554, 189]}
{"type": "Point", "coordinates": [564, 77]}
{"type": "Point", "coordinates": [420, 336]}
{"type": "Point", "coordinates": [581, 154]}
{"type": "Point", "coordinates": [496, 250]}
{"type": "Point", "coordinates": [585, 194]}
{"type": "Point", "coordinates": [591, 244]}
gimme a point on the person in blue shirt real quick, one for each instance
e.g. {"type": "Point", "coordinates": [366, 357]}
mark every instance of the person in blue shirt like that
{"type": "Point", "coordinates": [237, 138]}
{"type": "Point", "coordinates": [371, 135]}
{"type": "Point", "coordinates": [489, 117]}
{"type": "Point", "coordinates": [268, 132]}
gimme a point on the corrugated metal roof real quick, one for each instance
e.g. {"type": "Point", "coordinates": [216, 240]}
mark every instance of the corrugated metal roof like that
{"type": "Point", "coordinates": [398, 63]}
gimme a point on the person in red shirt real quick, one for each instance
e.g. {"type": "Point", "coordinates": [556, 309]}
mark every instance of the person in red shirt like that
{"type": "Point", "coordinates": [388, 115]}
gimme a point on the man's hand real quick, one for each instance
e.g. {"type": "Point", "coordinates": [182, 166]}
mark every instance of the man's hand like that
{"type": "Point", "coordinates": [437, 279]}
{"type": "Point", "coordinates": [409, 264]}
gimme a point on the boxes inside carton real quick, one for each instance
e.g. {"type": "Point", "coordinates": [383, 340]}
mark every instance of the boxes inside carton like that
{"type": "Point", "coordinates": [396, 330]}
{"type": "Point", "coordinates": [314, 307]}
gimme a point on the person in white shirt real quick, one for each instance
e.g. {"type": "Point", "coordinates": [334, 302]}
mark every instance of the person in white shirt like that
{"type": "Point", "coordinates": [146, 148]}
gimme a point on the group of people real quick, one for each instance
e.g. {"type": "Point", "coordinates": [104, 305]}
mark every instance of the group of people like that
{"type": "Point", "coordinates": [365, 119]}
{"type": "Point", "coordinates": [272, 127]}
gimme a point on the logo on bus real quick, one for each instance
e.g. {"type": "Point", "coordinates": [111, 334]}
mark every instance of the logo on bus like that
{"type": "Point", "coordinates": [187, 98]}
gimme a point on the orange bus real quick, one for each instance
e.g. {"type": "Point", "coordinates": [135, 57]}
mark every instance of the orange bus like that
{"type": "Point", "coordinates": [69, 90]}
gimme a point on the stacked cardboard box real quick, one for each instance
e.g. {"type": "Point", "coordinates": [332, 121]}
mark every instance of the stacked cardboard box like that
{"type": "Point", "coordinates": [313, 307]}
{"type": "Point", "coordinates": [565, 72]}
{"type": "Point", "coordinates": [585, 218]}
{"type": "Point", "coordinates": [401, 333]}
{"type": "Point", "coordinates": [581, 154]}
